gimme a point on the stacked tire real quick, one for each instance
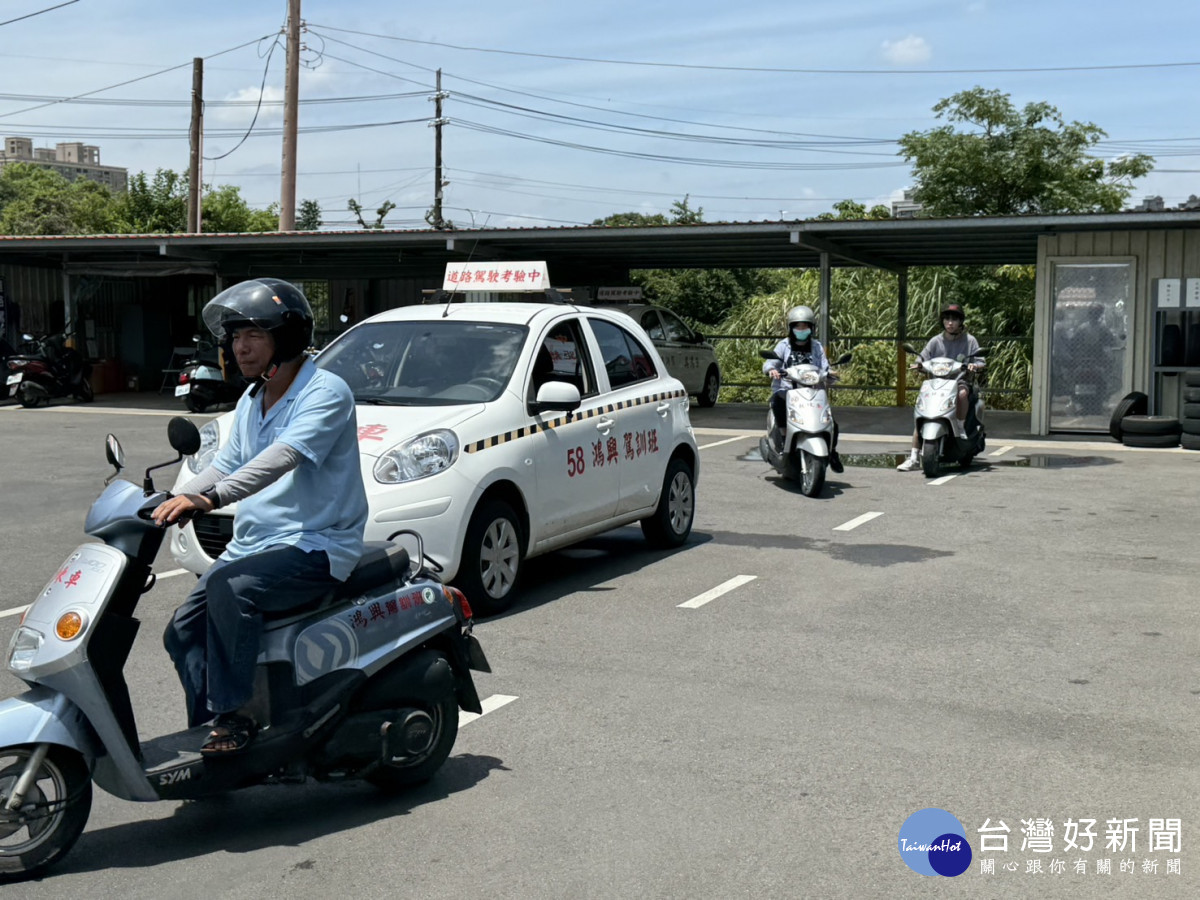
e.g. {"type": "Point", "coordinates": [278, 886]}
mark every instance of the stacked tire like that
{"type": "Point", "coordinates": [1190, 423]}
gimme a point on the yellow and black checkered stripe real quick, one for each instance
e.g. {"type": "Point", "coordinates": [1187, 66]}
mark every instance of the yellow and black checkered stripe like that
{"type": "Point", "coordinates": [497, 439]}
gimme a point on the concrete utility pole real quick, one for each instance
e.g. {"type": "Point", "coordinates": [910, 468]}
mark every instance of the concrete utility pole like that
{"type": "Point", "coordinates": [435, 217]}
{"type": "Point", "coordinates": [196, 141]}
{"type": "Point", "coordinates": [291, 93]}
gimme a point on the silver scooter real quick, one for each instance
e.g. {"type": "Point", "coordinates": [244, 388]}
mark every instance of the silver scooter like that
{"type": "Point", "coordinates": [811, 429]}
{"type": "Point", "coordinates": [943, 437]}
{"type": "Point", "coordinates": [366, 683]}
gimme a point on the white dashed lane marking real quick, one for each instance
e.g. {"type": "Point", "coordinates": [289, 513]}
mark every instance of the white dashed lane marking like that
{"type": "Point", "coordinates": [941, 480]}
{"type": "Point", "coordinates": [12, 612]}
{"type": "Point", "coordinates": [723, 588]}
{"type": "Point", "coordinates": [1001, 451]}
{"type": "Point", "coordinates": [489, 704]}
{"type": "Point", "coordinates": [861, 520]}
{"type": "Point", "coordinates": [740, 437]}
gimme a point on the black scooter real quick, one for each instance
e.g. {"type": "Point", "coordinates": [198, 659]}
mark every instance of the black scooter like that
{"type": "Point", "coordinates": [46, 369]}
{"type": "Point", "coordinates": [202, 382]}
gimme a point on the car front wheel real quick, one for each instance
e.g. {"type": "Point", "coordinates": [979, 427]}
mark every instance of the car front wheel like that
{"type": "Point", "coordinates": [492, 557]}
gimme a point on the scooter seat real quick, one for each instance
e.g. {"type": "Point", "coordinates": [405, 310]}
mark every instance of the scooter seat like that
{"type": "Point", "coordinates": [380, 563]}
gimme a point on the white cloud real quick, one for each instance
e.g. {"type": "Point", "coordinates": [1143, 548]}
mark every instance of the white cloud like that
{"type": "Point", "coordinates": [271, 112]}
{"type": "Point", "coordinates": [907, 51]}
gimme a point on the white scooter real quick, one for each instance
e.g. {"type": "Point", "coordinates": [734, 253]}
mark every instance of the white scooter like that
{"type": "Point", "coordinates": [943, 437]}
{"type": "Point", "coordinates": [366, 683]}
{"type": "Point", "coordinates": [811, 430]}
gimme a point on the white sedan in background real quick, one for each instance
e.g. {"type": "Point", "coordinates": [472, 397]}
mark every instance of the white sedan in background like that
{"type": "Point", "coordinates": [500, 431]}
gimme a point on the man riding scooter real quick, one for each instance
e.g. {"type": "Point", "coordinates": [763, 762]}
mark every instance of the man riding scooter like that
{"type": "Point", "coordinates": [954, 342]}
{"type": "Point", "coordinates": [797, 348]}
{"type": "Point", "coordinates": [292, 462]}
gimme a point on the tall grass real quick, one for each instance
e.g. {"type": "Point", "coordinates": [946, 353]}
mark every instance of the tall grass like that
{"type": "Point", "coordinates": [864, 321]}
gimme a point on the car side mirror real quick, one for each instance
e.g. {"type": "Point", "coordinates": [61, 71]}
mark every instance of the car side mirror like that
{"type": "Point", "coordinates": [556, 396]}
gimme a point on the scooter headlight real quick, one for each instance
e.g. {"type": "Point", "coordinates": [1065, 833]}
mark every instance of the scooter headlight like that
{"type": "Point", "coordinates": [24, 647]}
{"type": "Point", "coordinates": [808, 379]}
{"type": "Point", "coordinates": [210, 442]}
{"type": "Point", "coordinates": [940, 369]}
{"type": "Point", "coordinates": [419, 457]}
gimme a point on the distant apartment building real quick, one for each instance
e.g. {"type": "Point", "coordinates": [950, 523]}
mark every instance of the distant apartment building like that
{"type": "Point", "coordinates": [71, 160]}
{"type": "Point", "coordinates": [906, 208]}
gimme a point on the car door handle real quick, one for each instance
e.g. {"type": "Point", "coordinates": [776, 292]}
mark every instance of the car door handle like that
{"type": "Point", "coordinates": [605, 425]}
{"type": "Point", "coordinates": [664, 409]}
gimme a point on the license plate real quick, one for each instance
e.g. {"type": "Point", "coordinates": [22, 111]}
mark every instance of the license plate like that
{"type": "Point", "coordinates": [15, 378]}
{"type": "Point", "coordinates": [182, 390]}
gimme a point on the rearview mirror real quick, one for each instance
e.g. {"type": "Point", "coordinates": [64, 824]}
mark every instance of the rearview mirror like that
{"type": "Point", "coordinates": [909, 348]}
{"type": "Point", "coordinates": [115, 452]}
{"type": "Point", "coordinates": [843, 359]}
{"type": "Point", "coordinates": [556, 396]}
{"type": "Point", "coordinates": [769, 354]}
{"type": "Point", "coordinates": [183, 436]}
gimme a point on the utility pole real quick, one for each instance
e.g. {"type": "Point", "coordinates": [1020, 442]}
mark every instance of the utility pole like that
{"type": "Point", "coordinates": [196, 142]}
{"type": "Point", "coordinates": [291, 92]}
{"type": "Point", "coordinates": [435, 215]}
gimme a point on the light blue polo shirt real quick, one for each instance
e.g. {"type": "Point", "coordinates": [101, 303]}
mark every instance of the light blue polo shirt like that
{"type": "Point", "coordinates": [319, 505]}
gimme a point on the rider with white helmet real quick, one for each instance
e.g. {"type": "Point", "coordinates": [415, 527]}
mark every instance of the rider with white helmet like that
{"type": "Point", "coordinates": [797, 348]}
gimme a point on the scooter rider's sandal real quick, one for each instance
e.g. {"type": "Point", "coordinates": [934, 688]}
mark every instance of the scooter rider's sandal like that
{"type": "Point", "coordinates": [236, 731]}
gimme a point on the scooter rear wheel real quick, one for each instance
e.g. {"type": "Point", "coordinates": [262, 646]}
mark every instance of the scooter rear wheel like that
{"type": "Point", "coordinates": [55, 810]}
{"type": "Point", "coordinates": [85, 394]}
{"type": "Point", "coordinates": [445, 723]}
{"type": "Point", "coordinates": [195, 404]}
{"type": "Point", "coordinates": [930, 452]}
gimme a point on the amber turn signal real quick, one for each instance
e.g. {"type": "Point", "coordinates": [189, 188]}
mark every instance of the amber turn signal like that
{"type": "Point", "coordinates": [68, 626]}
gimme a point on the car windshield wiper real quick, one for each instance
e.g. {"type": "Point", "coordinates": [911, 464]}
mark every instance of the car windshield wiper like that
{"type": "Point", "coordinates": [381, 401]}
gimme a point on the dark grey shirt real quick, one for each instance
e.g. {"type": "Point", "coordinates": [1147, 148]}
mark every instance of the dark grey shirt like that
{"type": "Point", "coordinates": [964, 345]}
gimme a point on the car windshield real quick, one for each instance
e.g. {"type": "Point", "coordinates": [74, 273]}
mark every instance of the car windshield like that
{"type": "Point", "coordinates": [439, 363]}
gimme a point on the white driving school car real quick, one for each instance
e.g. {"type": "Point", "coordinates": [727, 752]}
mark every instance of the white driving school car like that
{"type": "Point", "coordinates": [500, 431]}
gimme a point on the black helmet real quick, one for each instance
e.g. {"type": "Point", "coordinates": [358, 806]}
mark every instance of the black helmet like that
{"type": "Point", "coordinates": [267, 303]}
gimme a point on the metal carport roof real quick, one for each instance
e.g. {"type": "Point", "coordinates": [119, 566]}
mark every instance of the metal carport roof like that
{"type": "Point", "coordinates": [581, 254]}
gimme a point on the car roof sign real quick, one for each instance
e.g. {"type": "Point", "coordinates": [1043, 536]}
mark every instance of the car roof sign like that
{"type": "Point", "coordinates": [496, 276]}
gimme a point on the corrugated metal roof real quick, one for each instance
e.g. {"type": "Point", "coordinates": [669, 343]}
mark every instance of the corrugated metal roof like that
{"type": "Point", "coordinates": [589, 253]}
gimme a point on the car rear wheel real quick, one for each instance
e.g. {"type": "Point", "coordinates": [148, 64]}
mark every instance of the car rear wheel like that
{"type": "Point", "coordinates": [712, 388]}
{"type": "Point", "coordinates": [492, 557]}
{"type": "Point", "coordinates": [671, 522]}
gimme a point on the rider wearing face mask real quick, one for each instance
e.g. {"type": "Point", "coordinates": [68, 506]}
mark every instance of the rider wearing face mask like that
{"type": "Point", "coordinates": [797, 348]}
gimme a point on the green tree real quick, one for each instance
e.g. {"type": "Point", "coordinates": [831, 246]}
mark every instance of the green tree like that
{"type": "Point", "coordinates": [1014, 162]}
{"type": "Point", "coordinates": [225, 210]}
{"type": "Point", "coordinates": [309, 218]}
{"type": "Point", "coordinates": [850, 209]}
{"type": "Point", "coordinates": [156, 205]}
{"type": "Point", "coordinates": [355, 207]}
{"type": "Point", "coordinates": [37, 200]}
{"type": "Point", "coordinates": [632, 219]}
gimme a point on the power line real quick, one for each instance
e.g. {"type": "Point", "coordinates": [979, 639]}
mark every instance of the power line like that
{"type": "Point", "coordinates": [258, 108]}
{"type": "Point", "coordinates": [771, 69]}
{"type": "Point", "coordinates": [134, 80]}
{"type": "Point", "coordinates": [39, 12]}
{"type": "Point", "coordinates": [310, 101]}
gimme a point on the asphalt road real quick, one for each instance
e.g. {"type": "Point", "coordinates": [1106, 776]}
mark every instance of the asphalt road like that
{"type": "Point", "coordinates": [1015, 643]}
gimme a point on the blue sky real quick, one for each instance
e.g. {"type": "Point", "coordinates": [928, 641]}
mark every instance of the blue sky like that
{"type": "Point", "coordinates": [872, 71]}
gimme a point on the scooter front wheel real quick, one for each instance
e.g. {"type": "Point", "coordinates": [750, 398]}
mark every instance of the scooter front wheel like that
{"type": "Point", "coordinates": [812, 476]}
{"type": "Point", "coordinates": [930, 452]}
{"type": "Point", "coordinates": [52, 815]}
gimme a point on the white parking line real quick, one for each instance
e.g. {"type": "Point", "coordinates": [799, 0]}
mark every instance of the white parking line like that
{"type": "Point", "coordinates": [489, 704]}
{"type": "Point", "coordinates": [12, 612]}
{"type": "Point", "coordinates": [723, 588]}
{"type": "Point", "coordinates": [172, 573]}
{"type": "Point", "coordinates": [861, 520]}
{"type": "Point", "coordinates": [740, 437]}
{"type": "Point", "coordinates": [941, 480]}
{"type": "Point", "coordinates": [1001, 451]}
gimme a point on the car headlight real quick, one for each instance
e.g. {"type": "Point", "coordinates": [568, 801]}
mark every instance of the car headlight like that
{"type": "Point", "coordinates": [419, 457]}
{"type": "Point", "coordinates": [24, 647]}
{"type": "Point", "coordinates": [941, 370]}
{"type": "Point", "coordinates": [210, 441]}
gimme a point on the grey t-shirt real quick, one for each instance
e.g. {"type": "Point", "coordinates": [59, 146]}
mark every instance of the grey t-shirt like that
{"type": "Point", "coordinates": [964, 345]}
